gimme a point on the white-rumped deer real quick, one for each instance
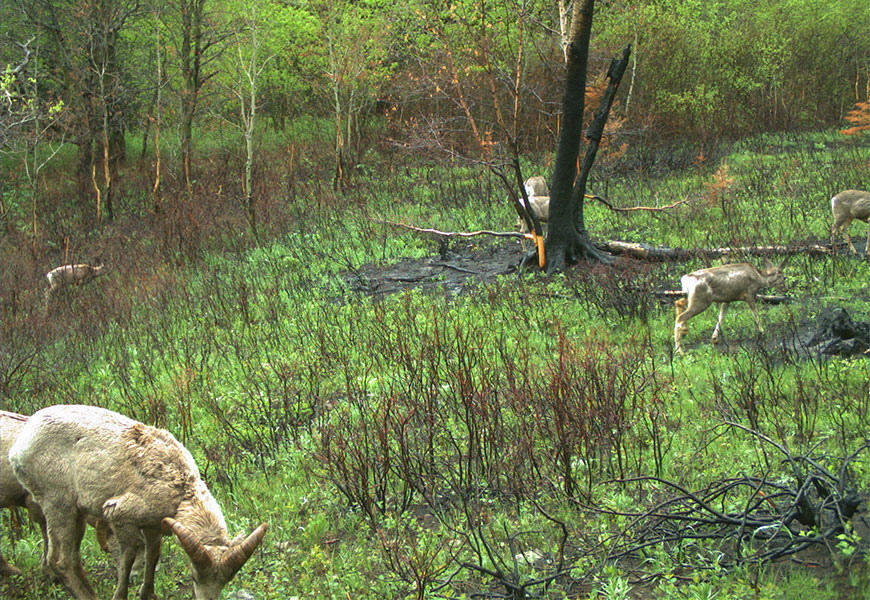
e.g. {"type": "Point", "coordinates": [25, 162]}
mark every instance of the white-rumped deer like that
{"type": "Point", "coordinates": [724, 284]}
{"type": "Point", "coordinates": [848, 206]}
{"type": "Point", "coordinates": [539, 202]}
{"type": "Point", "coordinates": [80, 461]}
{"type": "Point", "coordinates": [536, 186]}
{"type": "Point", "coordinates": [68, 275]}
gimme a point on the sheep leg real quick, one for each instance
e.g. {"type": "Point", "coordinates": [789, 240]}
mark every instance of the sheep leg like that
{"type": "Point", "coordinates": [35, 514]}
{"type": "Point", "coordinates": [125, 537]}
{"type": "Point", "coordinates": [6, 569]}
{"type": "Point", "coordinates": [152, 555]}
{"type": "Point", "coordinates": [64, 557]}
{"type": "Point", "coordinates": [722, 310]}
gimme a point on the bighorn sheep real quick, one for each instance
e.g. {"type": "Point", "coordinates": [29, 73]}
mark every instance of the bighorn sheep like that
{"type": "Point", "coordinates": [68, 275]}
{"type": "Point", "coordinates": [12, 495]}
{"type": "Point", "coordinates": [723, 284]}
{"type": "Point", "coordinates": [11, 492]}
{"type": "Point", "coordinates": [539, 202]}
{"type": "Point", "coordinates": [848, 206]}
{"type": "Point", "coordinates": [84, 460]}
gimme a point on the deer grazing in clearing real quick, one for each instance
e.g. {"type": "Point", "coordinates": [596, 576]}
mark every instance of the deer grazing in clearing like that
{"type": "Point", "coordinates": [68, 275]}
{"type": "Point", "coordinates": [723, 284]}
{"type": "Point", "coordinates": [539, 202]}
{"type": "Point", "coordinates": [848, 206]}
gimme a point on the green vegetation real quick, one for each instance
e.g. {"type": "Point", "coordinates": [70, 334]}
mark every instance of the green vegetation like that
{"type": "Point", "coordinates": [445, 445]}
{"type": "Point", "coordinates": [244, 169]}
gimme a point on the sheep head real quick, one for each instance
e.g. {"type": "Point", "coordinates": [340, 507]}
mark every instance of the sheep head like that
{"type": "Point", "coordinates": [214, 566]}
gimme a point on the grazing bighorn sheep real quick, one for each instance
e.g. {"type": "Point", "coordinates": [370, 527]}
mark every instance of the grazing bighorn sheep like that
{"type": "Point", "coordinates": [12, 495]}
{"type": "Point", "coordinates": [84, 460]}
{"type": "Point", "coordinates": [11, 492]}
{"type": "Point", "coordinates": [539, 203]}
{"type": "Point", "coordinates": [848, 206]}
{"type": "Point", "coordinates": [68, 275]}
{"type": "Point", "coordinates": [723, 284]}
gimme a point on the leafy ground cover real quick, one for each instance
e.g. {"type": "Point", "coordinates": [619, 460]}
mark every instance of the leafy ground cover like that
{"type": "Point", "coordinates": [416, 419]}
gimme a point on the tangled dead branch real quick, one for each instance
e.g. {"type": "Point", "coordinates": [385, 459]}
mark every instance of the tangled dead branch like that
{"type": "Point", "coordinates": [797, 505]}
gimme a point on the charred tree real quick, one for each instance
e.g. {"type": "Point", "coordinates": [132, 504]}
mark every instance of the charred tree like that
{"type": "Point", "coordinates": [568, 241]}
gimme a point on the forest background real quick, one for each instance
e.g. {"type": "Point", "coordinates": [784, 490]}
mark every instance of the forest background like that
{"type": "Point", "coordinates": [235, 164]}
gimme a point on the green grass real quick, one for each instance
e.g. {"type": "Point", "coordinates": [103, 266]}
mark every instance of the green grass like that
{"type": "Point", "coordinates": [252, 357]}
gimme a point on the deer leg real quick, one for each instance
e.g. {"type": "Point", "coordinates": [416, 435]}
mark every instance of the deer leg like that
{"type": "Point", "coordinates": [867, 245]}
{"type": "Point", "coordinates": [849, 240]}
{"type": "Point", "coordinates": [102, 531]}
{"type": "Point", "coordinates": [722, 310]}
{"type": "Point", "coordinates": [695, 306]}
{"type": "Point", "coordinates": [751, 302]}
{"type": "Point", "coordinates": [680, 306]}
{"type": "Point", "coordinates": [679, 328]}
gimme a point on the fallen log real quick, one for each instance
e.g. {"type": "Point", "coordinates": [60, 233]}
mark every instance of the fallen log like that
{"type": "Point", "coordinates": [645, 251]}
{"type": "Point", "coordinates": [766, 298]}
{"type": "Point", "coordinates": [664, 254]}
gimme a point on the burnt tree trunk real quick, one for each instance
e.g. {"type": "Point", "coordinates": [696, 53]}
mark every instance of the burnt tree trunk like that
{"type": "Point", "coordinates": [568, 241]}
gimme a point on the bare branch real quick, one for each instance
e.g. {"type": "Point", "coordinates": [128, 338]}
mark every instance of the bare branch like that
{"type": "Point", "coordinates": [514, 234]}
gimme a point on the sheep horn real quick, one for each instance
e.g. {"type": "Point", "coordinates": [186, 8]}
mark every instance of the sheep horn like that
{"type": "Point", "coordinates": [191, 544]}
{"type": "Point", "coordinates": [236, 557]}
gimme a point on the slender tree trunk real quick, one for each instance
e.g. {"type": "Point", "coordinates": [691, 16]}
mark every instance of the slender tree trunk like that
{"type": "Point", "coordinates": [564, 32]}
{"type": "Point", "coordinates": [248, 122]}
{"type": "Point", "coordinates": [192, 15]}
{"type": "Point", "coordinates": [155, 190]}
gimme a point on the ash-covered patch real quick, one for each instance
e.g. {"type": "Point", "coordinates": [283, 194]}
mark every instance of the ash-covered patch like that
{"type": "Point", "coordinates": [837, 334]}
{"type": "Point", "coordinates": [451, 272]}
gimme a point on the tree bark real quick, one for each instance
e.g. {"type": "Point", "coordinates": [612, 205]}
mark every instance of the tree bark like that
{"type": "Point", "coordinates": [193, 45]}
{"type": "Point", "coordinates": [562, 236]}
{"type": "Point", "coordinates": [568, 241]}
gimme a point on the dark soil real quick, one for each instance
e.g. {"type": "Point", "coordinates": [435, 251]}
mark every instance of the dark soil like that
{"type": "Point", "coordinates": [453, 271]}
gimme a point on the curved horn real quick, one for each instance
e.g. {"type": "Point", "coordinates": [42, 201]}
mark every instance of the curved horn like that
{"type": "Point", "coordinates": [237, 555]}
{"type": "Point", "coordinates": [191, 544]}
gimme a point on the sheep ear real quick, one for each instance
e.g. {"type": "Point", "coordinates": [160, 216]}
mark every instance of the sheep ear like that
{"type": "Point", "coordinates": [240, 553]}
{"type": "Point", "coordinates": [197, 553]}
